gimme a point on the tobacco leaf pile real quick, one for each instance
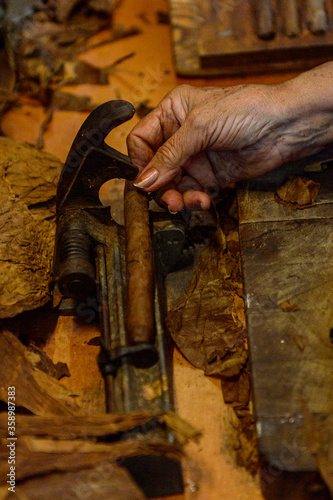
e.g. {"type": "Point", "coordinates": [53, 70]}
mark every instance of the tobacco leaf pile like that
{"type": "Point", "coordinates": [204, 321]}
{"type": "Point", "coordinates": [40, 42]}
{"type": "Point", "coordinates": [28, 180]}
{"type": "Point", "coordinates": [207, 323]}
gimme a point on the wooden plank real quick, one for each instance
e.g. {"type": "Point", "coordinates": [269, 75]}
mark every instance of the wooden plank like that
{"type": "Point", "coordinates": [287, 264]}
{"type": "Point", "coordinates": [256, 197]}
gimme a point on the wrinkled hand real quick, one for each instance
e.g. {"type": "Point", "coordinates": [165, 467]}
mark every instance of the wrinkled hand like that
{"type": "Point", "coordinates": [197, 141]}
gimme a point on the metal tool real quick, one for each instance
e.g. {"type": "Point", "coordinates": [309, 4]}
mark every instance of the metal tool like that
{"type": "Point", "coordinates": [92, 270]}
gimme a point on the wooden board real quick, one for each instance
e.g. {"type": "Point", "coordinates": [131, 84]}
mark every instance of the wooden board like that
{"type": "Point", "coordinates": [219, 37]}
{"type": "Point", "coordinates": [256, 198]}
{"type": "Point", "coordinates": [287, 256]}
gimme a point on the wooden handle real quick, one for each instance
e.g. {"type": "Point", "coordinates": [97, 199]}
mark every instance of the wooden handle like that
{"type": "Point", "coordinates": [139, 317]}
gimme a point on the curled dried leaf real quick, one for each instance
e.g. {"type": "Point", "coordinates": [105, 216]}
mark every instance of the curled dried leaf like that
{"type": "Point", "coordinates": [286, 306]}
{"type": "Point", "coordinates": [297, 192]}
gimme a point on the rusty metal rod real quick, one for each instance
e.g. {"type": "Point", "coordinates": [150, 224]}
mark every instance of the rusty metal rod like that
{"type": "Point", "coordinates": [316, 16]}
{"type": "Point", "coordinates": [265, 19]}
{"type": "Point", "coordinates": [290, 17]}
{"type": "Point", "coordinates": [139, 316]}
{"type": "Point", "coordinates": [104, 315]}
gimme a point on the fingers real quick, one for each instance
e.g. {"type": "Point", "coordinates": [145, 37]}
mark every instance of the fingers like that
{"type": "Point", "coordinates": [193, 200]}
{"type": "Point", "coordinates": [171, 157]}
{"type": "Point", "coordinates": [196, 200]}
{"type": "Point", "coordinates": [186, 193]}
{"type": "Point", "coordinates": [145, 138]}
{"type": "Point", "coordinates": [171, 198]}
{"type": "Point", "coordinates": [193, 195]}
{"type": "Point", "coordinates": [155, 128]}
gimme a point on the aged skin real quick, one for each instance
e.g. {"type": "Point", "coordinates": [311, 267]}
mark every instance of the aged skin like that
{"type": "Point", "coordinates": [197, 141]}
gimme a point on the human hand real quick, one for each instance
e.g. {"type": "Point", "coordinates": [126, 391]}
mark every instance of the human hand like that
{"type": "Point", "coordinates": [197, 141]}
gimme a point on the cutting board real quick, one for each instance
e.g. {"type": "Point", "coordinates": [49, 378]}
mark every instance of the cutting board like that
{"type": "Point", "coordinates": [287, 261]}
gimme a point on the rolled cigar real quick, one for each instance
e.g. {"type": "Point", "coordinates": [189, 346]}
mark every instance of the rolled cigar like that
{"type": "Point", "coordinates": [265, 19]}
{"type": "Point", "coordinates": [139, 316]}
{"type": "Point", "coordinates": [316, 16]}
{"type": "Point", "coordinates": [290, 18]}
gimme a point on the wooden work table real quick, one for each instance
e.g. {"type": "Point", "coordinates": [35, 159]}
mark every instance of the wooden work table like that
{"type": "Point", "coordinates": [209, 469]}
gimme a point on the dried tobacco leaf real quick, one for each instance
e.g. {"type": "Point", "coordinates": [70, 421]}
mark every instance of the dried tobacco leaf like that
{"type": "Point", "coordinates": [244, 441]}
{"type": "Point", "coordinates": [297, 192]}
{"type": "Point", "coordinates": [72, 102]}
{"type": "Point", "coordinates": [64, 9]}
{"type": "Point", "coordinates": [26, 249]}
{"type": "Point", "coordinates": [182, 430]}
{"type": "Point", "coordinates": [27, 195]}
{"type": "Point", "coordinates": [286, 306]}
{"type": "Point", "coordinates": [99, 426]}
{"type": "Point", "coordinates": [29, 176]}
{"type": "Point", "coordinates": [103, 6]}
{"type": "Point", "coordinates": [236, 390]}
{"type": "Point", "coordinates": [37, 456]}
{"type": "Point", "coordinates": [204, 322]}
{"type": "Point", "coordinates": [40, 360]}
{"type": "Point", "coordinates": [35, 390]}
{"type": "Point", "coordinates": [75, 72]}
{"type": "Point", "coordinates": [45, 36]}
{"type": "Point", "coordinates": [236, 393]}
{"type": "Point", "coordinates": [7, 82]}
{"type": "Point", "coordinates": [101, 481]}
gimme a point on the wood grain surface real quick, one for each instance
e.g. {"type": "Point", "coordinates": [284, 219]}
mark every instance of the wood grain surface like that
{"type": "Point", "coordinates": [288, 277]}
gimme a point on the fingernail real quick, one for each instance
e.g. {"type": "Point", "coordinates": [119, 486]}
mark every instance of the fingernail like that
{"type": "Point", "coordinates": [147, 178]}
{"type": "Point", "coordinates": [172, 212]}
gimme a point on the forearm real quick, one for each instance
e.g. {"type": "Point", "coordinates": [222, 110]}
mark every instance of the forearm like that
{"type": "Point", "coordinates": [307, 103]}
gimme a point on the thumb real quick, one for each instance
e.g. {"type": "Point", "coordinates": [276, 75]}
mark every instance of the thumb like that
{"type": "Point", "coordinates": [169, 159]}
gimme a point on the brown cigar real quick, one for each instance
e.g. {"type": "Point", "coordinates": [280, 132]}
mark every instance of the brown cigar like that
{"type": "Point", "coordinates": [316, 17]}
{"type": "Point", "coordinates": [265, 19]}
{"type": "Point", "coordinates": [139, 317]}
{"type": "Point", "coordinates": [290, 19]}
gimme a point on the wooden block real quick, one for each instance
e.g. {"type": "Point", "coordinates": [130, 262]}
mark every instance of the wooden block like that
{"type": "Point", "coordinates": [257, 203]}
{"type": "Point", "coordinates": [233, 37]}
{"type": "Point", "coordinates": [288, 278]}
